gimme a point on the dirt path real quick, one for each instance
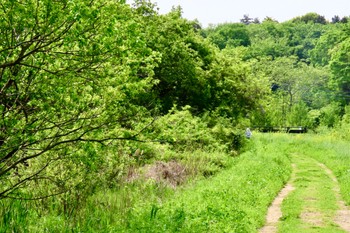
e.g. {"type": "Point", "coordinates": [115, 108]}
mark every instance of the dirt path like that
{"type": "Point", "coordinates": [316, 210]}
{"type": "Point", "coordinates": [274, 212]}
{"type": "Point", "coordinates": [342, 217]}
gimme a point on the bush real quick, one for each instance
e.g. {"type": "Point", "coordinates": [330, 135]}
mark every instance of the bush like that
{"type": "Point", "coordinates": [187, 132]}
{"type": "Point", "coordinates": [330, 115]}
{"type": "Point", "coordinates": [343, 130]}
{"type": "Point", "coordinates": [222, 203]}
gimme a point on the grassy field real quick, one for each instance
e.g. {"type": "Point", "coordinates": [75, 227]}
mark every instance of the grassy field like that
{"type": "Point", "coordinates": [233, 200]}
{"type": "Point", "coordinates": [313, 206]}
{"type": "Point", "coordinates": [332, 152]}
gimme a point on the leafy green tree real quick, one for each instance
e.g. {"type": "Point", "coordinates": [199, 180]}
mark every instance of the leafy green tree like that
{"type": "Point", "coordinates": [228, 34]}
{"type": "Point", "coordinates": [284, 39]}
{"type": "Point", "coordinates": [311, 18]}
{"type": "Point", "coordinates": [340, 66]}
{"type": "Point", "coordinates": [68, 79]}
{"type": "Point", "coordinates": [320, 55]}
{"type": "Point", "coordinates": [268, 39]}
{"type": "Point", "coordinates": [302, 38]}
{"type": "Point", "coordinates": [330, 114]}
{"type": "Point", "coordinates": [182, 72]}
{"type": "Point", "coordinates": [345, 19]}
{"type": "Point", "coordinates": [269, 19]}
{"type": "Point", "coordinates": [240, 87]}
{"type": "Point", "coordinates": [298, 115]}
{"type": "Point", "coordinates": [296, 86]}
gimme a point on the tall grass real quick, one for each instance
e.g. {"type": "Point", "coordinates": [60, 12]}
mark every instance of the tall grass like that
{"type": "Point", "coordinates": [14, 216]}
{"type": "Point", "coordinates": [231, 195]}
{"type": "Point", "coordinates": [233, 199]}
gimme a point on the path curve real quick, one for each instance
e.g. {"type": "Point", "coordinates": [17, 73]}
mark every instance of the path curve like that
{"type": "Point", "coordinates": [274, 212]}
{"type": "Point", "coordinates": [343, 214]}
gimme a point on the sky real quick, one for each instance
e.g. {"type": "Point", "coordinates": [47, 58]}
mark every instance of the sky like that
{"type": "Point", "coordinates": [222, 11]}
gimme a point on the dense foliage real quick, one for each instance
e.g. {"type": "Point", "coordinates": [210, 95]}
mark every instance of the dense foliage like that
{"type": "Point", "coordinates": [306, 63]}
{"type": "Point", "coordinates": [90, 90]}
{"type": "Point", "coordinates": [77, 78]}
{"type": "Point", "coordinates": [67, 80]}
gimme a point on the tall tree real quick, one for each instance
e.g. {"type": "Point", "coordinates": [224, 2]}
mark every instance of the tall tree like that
{"type": "Point", "coordinates": [268, 39]}
{"type": "Point", "coordinates": [303, 37]}
{"type": "Point", "coordinates": [340, 66]}
{"type": "Point", "coordinates": [246, 20]}
{"type": "Point", "coordinates": [311, 18]}
{"type": "Point", "coordinates": [185, 60]}
{"type": "Point", "coordinates": [336, 19]}
{"type": "Point", "coordinates": [228, 35]}
{"type": "Point", "coordinates": [66, 69]}
{"type": "Point", "coordinates": [296, 86]}
{"type": "Point", "coordinates": [320, 55]}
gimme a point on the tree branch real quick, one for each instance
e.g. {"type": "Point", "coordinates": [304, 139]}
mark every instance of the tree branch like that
{"type": "Point", "coordinates": [22, 181]}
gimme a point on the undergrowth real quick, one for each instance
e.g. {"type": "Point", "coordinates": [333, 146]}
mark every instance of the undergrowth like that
{"type": "Point", "coordinates": [227, 194]}
{"type": "Point", "coordinates": [231, 194]}
{"type": "Point", "coordinates": [235, 200]}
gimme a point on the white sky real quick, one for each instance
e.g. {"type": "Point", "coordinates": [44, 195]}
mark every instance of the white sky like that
{"type": "Point", "coordinates": [221, 11]}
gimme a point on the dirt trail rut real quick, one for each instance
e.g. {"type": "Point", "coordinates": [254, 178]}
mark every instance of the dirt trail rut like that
{"type": "Point", "coordinates": [274, 212]}
{"type": "Point", "coordinates": [342, 217]}
{"type": "Point", "coordinates": [343, 214]}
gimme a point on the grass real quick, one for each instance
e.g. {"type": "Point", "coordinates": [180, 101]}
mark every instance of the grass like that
{"type": "Point", "coordinates": [231, 195]}
{"type": "Point", "coordinates": [313, 205]}
{"type": "Point", "coordinates": [332, 152]}
{"type": "Point", "coordinates": [221, 203]}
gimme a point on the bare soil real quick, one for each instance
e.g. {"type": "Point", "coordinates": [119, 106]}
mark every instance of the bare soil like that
{"type": "Point", "coordinates": [274, 212]}
{"type": "Point", "coordinates": [342, 217]}
{"type": "Point", "coordinates": [314, 218]}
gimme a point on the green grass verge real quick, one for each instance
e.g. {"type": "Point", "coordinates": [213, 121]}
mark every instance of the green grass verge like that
{"type": "Point", "coordinates": [332, 152]}
{"type": "Point", "coordinates": [235, 200]}
{"type": "Point", "coordinates": [312, 206]}
{"type": "Point", "coordinates": [231, 200]}
{"type": "Point", "coordinates": [314, 192]}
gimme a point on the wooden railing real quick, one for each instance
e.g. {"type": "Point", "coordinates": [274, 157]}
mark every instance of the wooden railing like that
{"type": "Point", "coordinates": [286, 129]}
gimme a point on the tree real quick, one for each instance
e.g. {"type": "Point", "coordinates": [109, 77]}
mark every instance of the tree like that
{"type": "Point", "coordinates": [240, 87]}
{"type": "Point", "coordinates": [247, 20]}
{"type": "Point", "coordinates": [340, 66]}
{"type": "Point", "coordinates": [311, 18]}
{"type": "Point", "coordinates": [228, 34]}
{"type": "Point", "coordinates": [321, 54]}
{"type": "Point", "coordinates": [336, 19]}
{"type": "Point", "coordinates": [296, 86]}
{"type": "Point", "coordinates": [185, 59]}
{"type": "Point", "coordinates": [256, 21]}
{"type": "Point", "coordinates": [303, 37]}
{"type": "Point", "coordinates": [268, 39]}
{"type": "Point", "coordinates": [269, 19]}
{"type": "Point", "coordinates": [345, 19]}
{"type": "Point", "coordinates": [66, 71]}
